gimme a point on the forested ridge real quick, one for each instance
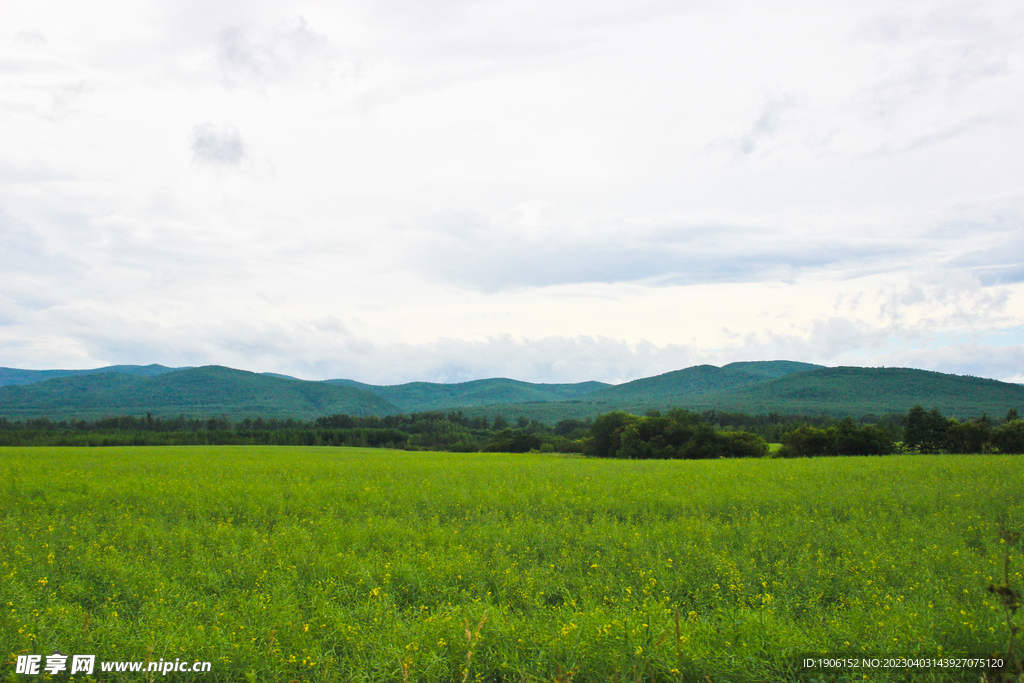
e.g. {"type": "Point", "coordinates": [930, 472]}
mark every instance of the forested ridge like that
{"type": "Point", "coordinates": [750, 388]}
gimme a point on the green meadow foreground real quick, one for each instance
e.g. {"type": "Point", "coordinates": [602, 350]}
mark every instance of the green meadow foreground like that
{"type": "Point", "coordinates": [280, 563]}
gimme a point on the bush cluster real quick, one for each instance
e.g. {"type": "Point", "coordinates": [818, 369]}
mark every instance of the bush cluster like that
{"type": "Point", "coordinates": [846, 438]}
{"type": "Point", "coordinates": [928, 431]}
{"type": "Point", "coordinates": [677, 434]}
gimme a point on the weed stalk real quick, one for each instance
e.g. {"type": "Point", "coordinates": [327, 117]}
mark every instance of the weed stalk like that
{"type": "Point", "coordinates": [471, 637]}
{"type": "Point", "coordinates": [1009, 598]}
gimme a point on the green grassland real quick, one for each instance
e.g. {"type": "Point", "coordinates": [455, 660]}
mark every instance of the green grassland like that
{"type": "Point", "coordinates": [321, 564]}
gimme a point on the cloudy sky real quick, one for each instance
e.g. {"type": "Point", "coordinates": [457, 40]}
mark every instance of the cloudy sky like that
{"type": "Point", "coordinates": [549, 190]}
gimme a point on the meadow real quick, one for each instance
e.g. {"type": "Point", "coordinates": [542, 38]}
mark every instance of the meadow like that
{"type": "Point", "coordinates": [324, 564]}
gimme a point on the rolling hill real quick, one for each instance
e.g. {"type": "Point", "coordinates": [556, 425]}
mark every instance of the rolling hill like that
{"type": "Point", "coordinates": [695, 381]}
{"type": "Point", "coordinates": [750, 387]}
{"type": "Point", "coordinates": [817, 391]}
{"type": "Point", "coordinates": [861, 391]}
{"type": "Point", "coordinates": [420, 396]}
{"type": "Point", "coordinates": [14, 377]}
{"type": "Point", "coordinates": [196, 392]}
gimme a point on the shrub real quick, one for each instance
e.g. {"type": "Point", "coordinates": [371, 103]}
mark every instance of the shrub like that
{"type": "Point", "coordinates": [804, 442]}
{"type": "Point", "coordinates": [967, 437]}
{"type": "Point", "coordinates": [742, 445]}
{"type": "Point", "coordinates": [863, 440]}
{"type": "Point", "coordinates": [513, 441]}
{"type": "Point", "coordinates": [1009, 437]}
{"type": "Point", "coordinates": [678, 434]}
{"type": "Point", "coordinates": [846, 438]}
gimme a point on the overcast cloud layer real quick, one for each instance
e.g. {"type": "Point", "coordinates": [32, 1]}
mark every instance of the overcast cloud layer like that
{"type": "Point", "coordinates": [551, 191]}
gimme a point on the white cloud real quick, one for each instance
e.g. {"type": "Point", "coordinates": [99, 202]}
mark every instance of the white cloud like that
{"type": "Point", "coordinates": [546, 190]}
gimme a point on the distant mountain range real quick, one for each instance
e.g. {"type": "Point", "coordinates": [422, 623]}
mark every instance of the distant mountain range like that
{"type": "Point", "coordinates": [194, 392]}
{"type": "Point", "coordinates": [11, 376]}
{"type": "Point", "coordinates": [750, 387]}
{"type": "Point", "coordinates": [420, 396]}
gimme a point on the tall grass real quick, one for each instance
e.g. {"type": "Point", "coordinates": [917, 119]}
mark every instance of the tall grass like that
{"type": "Point", "coordinates": [279, 563]}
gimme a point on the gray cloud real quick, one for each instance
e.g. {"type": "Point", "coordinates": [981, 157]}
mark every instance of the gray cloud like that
{"type": "Point", "coordinates": [37, 84]}
{"type": "Point", "coordinates": [287, 52]}
{"type": "Point", "coordinates": [992, 238]}
{"type": "Point", "coordinates": [217, 145]}
{"type": "Point", "coordinates": [772, 116]}
{"type": "Point", "coordinates": [1000, 261]}
{"type": "Point", "coordinates": [470, 250]}
{"type": "Point", "coordinates": [33, 172]}
{"type": "Point", "coordinates": [467, 30]}
{"type": "Point", "coordinates": [937, 136]}
{"type": "Point", "coordinates": [1000, 275]}
{"type": "Point", "coordinates": [953, 47]}
{"type": "Point", "coordinates": [976, 358]}
{"type": "Point", "coordinates": [31, 37]}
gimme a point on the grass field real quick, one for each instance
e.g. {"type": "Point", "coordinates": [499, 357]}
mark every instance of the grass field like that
{"type": "Point", "coordinates": [281, 564]}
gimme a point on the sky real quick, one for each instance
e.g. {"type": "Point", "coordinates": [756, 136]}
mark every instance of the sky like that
{"type": "Point", "coordinates": [547, 190]}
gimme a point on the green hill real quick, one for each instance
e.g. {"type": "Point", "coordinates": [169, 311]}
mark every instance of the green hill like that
{"type": "Point", "coordinates": [665, 389]}
{"type": "Point", "coordinates": [750, 387]}
{"type": "Point", "coordinates": [768, 369]}
{"type": "Point", "coordinates": [13, 376]}
{"type": "Point", "coordinates": [818, 391]}
{"type": "Point", "coordinates": [680, 385]}
{"type": "Point", "coordinates": [861, 391]}
{"type": "Point", "coordinates": [196, 392]}
{"type": "Point", "coordinates": [421, 396]}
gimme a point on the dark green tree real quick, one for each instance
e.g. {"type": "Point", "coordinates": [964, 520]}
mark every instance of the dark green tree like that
{"type": "Point", "coordinates": [1009, 437]}
{"type": "Point", "coordinates": [677, 434]}
{"type": "Point", "coordinates": [853, 439]}
{"type": "Point", "coordinates": [741, 445]}
{"type": "Point", "coordinates": [607, 433]}
{"type": "Point", "coordinates": [513, 441]}
{"type": "Point", "coordinates": [807, 441]}
{"type": "Point", "coordinates": [573, 429]}
{"type": "Point", "coordinates": [925, 431]}
{"type": "Point", "coordinates": [967, 437]}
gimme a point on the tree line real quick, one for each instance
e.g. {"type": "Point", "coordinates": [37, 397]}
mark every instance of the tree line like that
{"type": "Point", "coordinates": [432, 430]}
{"type": "Point", "coordinates": [931, 432]}
{"type": "Point", "coordinates": [677, 433]}
{"type": "Point", "coordinates": [922, 431]}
